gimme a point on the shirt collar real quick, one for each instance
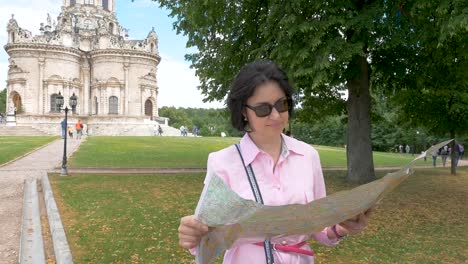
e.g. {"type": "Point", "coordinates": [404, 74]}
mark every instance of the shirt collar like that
{"type": "Point", "coordinates": [250, 150]}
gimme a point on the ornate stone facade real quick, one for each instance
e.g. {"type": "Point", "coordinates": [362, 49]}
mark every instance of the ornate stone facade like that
{"type": "Point", "coordinates": [85, 52]}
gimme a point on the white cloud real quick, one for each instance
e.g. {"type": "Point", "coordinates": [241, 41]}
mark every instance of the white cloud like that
{"type": "Point", "coordinates": [178, 85]}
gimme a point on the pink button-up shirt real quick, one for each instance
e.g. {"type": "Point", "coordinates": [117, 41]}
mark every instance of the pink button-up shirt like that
{"type": "Point", "coordinates": [296, 179]}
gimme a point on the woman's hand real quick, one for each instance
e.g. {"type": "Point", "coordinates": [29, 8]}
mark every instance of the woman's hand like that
{"type": "Point", "coordinates": [354, 225]}
{"type": "Point", "coordinates": [191, 231]}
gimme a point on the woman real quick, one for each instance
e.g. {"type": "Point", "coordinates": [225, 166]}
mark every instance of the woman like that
{"type": "Point", "coordinates": [288, 171]}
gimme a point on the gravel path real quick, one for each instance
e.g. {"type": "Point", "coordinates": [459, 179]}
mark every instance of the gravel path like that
{"type": "Point", "coordinates": [12, 178]}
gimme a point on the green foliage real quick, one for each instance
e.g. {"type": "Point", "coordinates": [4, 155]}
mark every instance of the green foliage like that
{"type": "Point", "coordinates": [3, 101]}
{"type": "Point", "coordinates": [426, 75]}
{"type": "Point", "coordinates": [329, 132]}
{"type": "Point", "coordinates": [210, 122]}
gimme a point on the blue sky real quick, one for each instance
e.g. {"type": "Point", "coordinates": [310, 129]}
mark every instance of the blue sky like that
{"type": "Point", "coordinates": [175, 78]}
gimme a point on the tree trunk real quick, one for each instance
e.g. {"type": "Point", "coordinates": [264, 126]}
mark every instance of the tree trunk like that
{"type": "Point", "coordinates": [359, 146]}
{"type": "Point", "coordinates": [453, 154]}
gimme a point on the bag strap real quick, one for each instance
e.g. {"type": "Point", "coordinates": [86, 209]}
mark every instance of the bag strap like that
{"type": "Point", "coordinates": [258, 198]}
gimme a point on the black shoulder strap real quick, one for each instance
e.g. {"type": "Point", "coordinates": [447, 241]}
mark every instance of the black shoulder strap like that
{"type": "Point", "coordinates": [258, 197]}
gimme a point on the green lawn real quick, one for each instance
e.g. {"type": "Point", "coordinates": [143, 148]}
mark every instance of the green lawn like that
{"type": "Point", "coordinates": [12, 147]}
{"type": "Point", "coordinates": [185, 152]}
{"type": "Point", "coordinates": [134, 219]}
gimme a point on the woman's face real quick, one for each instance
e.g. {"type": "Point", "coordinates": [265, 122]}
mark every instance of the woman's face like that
{"type": "Point", "coordinates": [269, 93]}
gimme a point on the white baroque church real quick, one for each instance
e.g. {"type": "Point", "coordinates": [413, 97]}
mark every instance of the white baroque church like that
{"type": "Point", "coordinates": [85, 52]}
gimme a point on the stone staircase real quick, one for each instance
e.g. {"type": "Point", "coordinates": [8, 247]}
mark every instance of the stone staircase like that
{"type": "Point", "coordinates": [20, 131]}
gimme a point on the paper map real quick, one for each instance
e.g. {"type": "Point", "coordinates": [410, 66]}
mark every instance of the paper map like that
{"type": "Point", "coordinates": [231, 217]}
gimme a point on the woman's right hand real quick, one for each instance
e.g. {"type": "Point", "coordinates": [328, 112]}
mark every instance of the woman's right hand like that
{"type": "Point", "coordinates": [191, 231]}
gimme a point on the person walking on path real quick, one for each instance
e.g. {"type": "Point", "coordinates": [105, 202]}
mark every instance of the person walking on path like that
{"type": "Point", "coordinates": [79, 129]}
{"type": "Point", "coordinates": [462, 150]}
{"type": "Point", "coordinates": [434, 157]}
{"type": "Point", "coordinates": [64, 127]}
{"type": "Point", "coordinates": [160, 131]}
{"type": "Point", "coordinates": [443, 154]}
{"type": "Point", "coordinates": [12, 177]}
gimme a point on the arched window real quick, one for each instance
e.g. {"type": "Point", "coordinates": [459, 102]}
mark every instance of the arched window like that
{"type": "Point", "coordinates": [148, 108]}
{"type": "Point", "coordinates": [105, 4]}
{"type": "Point", "coordinates": [152, 48]}
{"type": "Point", "coordinates": [12, 37]}
{"type": "Point", "coordinates": [113, 105]}
{"type": "Point", "coordinates": [72, 2]}
{"type": "Point", "coordinates": [53, 103]}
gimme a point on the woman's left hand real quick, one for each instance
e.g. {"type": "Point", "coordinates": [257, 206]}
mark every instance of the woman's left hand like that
{"type": "Point", "coordinates": [355, 225]}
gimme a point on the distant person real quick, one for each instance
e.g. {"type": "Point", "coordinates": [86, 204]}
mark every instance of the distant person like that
{"type": "Point", "coordinates": [287, 170]}
{"type": "Point", "coordinates": [155, 130]}
{"type": "Point", "coordinates": [160, 131]}
{"type": "Point", "coordinates": [443, 154]}
{"type": "Point", "coordinates": [70, 131]}
{"type": "Point", "coordinates": [195, 131]}
{"type": "Point", "coordinates": [64, 127]}
{"type": "Point", "coordinates": [79, 129]}
{"type": "Point", "coordinates": [456, 153]}
{"type": "Point", "coordinates": [462, 150]}
{"type": "Point", "coordinates": [15, 110]}
{"type": "Point", "coordinates": [182, 129]}
{"type": "Point", "coordinates": [434, 157]}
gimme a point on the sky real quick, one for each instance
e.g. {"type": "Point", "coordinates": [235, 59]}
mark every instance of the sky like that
{"type": "Point", "coordinates": [176, 81]}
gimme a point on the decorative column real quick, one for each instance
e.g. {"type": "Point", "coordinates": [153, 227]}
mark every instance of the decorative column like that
{"type": "Point", "coordinates": [41, 98]}
{"type": "Point", "coordinates": [126, 81]}
{"type": "Point", "coordinates": [85, 69]}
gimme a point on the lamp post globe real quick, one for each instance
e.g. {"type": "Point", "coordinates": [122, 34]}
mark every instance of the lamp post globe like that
{"type": "Point", "coordinates": [73, 102]}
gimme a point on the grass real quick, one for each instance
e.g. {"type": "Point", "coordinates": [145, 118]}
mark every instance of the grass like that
{"type": "Point", "coordinates": [147, 152]}
{"type": "Point", "coordinates": [13, 147]}
{"type": "Point", "coordinates": [185, 152]}
{"type": "Point", "coordinates": [134, 219]}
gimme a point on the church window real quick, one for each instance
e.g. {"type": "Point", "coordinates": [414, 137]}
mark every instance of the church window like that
{"type": "Point", "coordinates": [111, 28]}
{"type": "Point", "coordinates": [113, 105]}
{"type": "Point", "coordinates": [105, 4]}
{"type": "Point", "coordinates": [72, 2]}
{"type": "Point", "coordinates": [53, 103]}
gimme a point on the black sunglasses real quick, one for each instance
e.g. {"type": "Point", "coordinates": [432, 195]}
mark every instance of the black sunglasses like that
{"type": "Point", "coordinates": [264, 109]}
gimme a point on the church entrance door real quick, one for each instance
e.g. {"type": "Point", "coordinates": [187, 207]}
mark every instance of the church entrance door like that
{"type": "Point", "coordinates": [16, 98]}
{"type": "Point", "coordinates": [148, 108]}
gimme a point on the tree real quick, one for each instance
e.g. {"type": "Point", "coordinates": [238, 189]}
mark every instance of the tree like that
{"type": "Point", "coordinates": [324, 46]}
{"type": "Point", "coordinates": [431, 77]}
{"type": "Point", "coordinates": [3, 101]}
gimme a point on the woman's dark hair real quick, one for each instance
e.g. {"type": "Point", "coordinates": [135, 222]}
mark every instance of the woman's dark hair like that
{"type": "Point", "coordinates": [243, 86]}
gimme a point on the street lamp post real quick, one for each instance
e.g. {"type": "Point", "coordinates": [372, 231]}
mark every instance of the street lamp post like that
{"type": "Point", "coordinates": [60, 102]}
